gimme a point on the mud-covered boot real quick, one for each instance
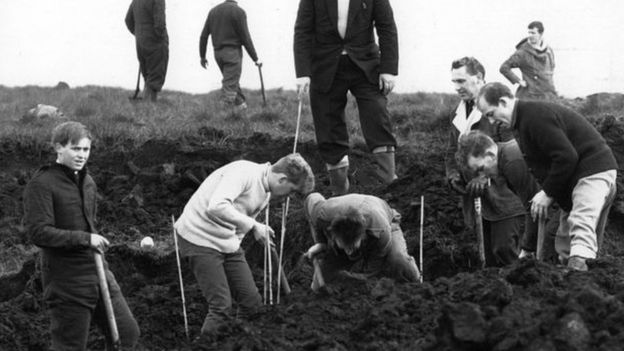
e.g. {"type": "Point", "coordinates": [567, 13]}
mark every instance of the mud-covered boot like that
{"type": "Point", "coordinates": [386, 166]}
{"type": "Point", "coordinates": [339, 180]}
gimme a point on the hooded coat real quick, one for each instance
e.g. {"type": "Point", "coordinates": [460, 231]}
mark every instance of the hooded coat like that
{"type": "Point", "coordinates": [537, 67]}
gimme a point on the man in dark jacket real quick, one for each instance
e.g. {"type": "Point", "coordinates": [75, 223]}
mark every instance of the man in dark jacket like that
{"type": "Point", "coordinates": [570, 159]}
{"type": "Point", "coordinates": [501, 208]}
{"type": "Point", "coordinates": [354, 228]}
{"type": "Point", "coordinates": [335, 52]}
{"type": "Point", "coordinates": [502, 164]}
{"type": "Point", "coordinates": [59, 213]}
{"type": "Point", "coordinates": [536, 62]}
{"type": "Point", "coordinates": [227, 23]}
{"type": "Point", "coordinates": [146, 20]}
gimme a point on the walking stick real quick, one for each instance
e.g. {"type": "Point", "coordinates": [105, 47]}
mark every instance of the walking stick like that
{"type": "Point", "coordinates": [261, 83]}
{"type": "Point", "coordinates": [108, 305]}
{"type": "Point", "coordinates": [138, 89]}
{"type": "Point", "coordinates": [479, 229]}
{"type": "Point", "coordinates": [541, 229]}
{"type": "Point", "coordinates": [281, 278]}
{"type": "Point", "coordinates": [267, 245]}
{"type": "Point", "coordinates": [175, 241]}
{"type": "Point", "coordinates": [422, 215]}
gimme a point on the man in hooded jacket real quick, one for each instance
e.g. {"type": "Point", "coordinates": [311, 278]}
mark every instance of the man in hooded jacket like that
{"type": "Point", "coordinates": [536, 61]}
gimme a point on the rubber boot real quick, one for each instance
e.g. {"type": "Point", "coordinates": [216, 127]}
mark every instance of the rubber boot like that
{"type": "Point", "coordinates": [386, 170]}
{"type": "Point", "coordinates": [339, 180]}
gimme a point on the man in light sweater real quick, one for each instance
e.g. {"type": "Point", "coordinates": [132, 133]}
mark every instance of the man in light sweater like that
{"type": "Point", "coordinates": [218, 216]}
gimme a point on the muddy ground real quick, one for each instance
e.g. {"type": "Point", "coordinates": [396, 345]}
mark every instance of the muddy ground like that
{"type": "Point", "coordinates": [527, 306]}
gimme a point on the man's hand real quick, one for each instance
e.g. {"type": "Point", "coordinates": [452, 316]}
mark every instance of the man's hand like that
{"type": "Point", "coordinates": [98, 242]}
{"type": "Point", "coordinates": [314, 250]}
{"type": "Point", "coordinates": [303, 85]}
{"type": "Point", "coordinates": [456, 183]}
{"type": "Point", "coordinates": [540, 204]}
{"type": "Point", "coordinates": [258, 63]}
{"type": "Point", "coordinates": [386, 83]}
{"type": "Point", "coordinates": [478, 185]}
{"type": "Point", "coordinates": [260, 231]}
{"type": "Point", "coordinates": [204, 63]}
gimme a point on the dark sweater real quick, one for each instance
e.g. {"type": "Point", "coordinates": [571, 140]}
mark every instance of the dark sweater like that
{"type": "Point", "coordinates": [227, 23]}
{"type": "Point", "coordinates": [59, 212]}
{"type": "Point", "coordinates": [560, 147]}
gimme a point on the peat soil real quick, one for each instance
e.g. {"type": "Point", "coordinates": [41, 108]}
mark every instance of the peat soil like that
{"type": "Point", "coordinates": [529, 305]}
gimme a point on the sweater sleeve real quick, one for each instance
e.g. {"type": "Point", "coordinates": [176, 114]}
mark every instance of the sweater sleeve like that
{"type": "Point", "coordinates": [243, 33]}
{"type": "Point", "coordinates": [550, 137]}
{"type": "Point", "coordinates": [222, 209]}
{"type": "Point", "coordinates": [160, 23]}
{"type": "Point", "coordinates": [40, 223]}
{"type": "Point", "coordinates": [203, 38]}
{"type": "Point", "coordinates": [130, 18]}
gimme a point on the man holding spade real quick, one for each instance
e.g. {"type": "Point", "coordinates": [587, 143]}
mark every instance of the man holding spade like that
{"type": "Point", "coordinates": [59, 213]}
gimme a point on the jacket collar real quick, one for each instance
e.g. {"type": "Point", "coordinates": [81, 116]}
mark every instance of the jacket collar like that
{"type": "Point", "coordinates": [354, 7]}
{"type": "Point", "coordinates": [462, 122]}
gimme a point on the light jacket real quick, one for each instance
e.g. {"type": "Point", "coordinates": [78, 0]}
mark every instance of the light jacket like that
{"type": "Point", "coordinates": [224, 207]}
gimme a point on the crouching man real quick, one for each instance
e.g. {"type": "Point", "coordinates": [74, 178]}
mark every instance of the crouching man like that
{"type": "Point", "coordinates": [353, 228]}
{"type": "Point", "coordinates": [217, 217]}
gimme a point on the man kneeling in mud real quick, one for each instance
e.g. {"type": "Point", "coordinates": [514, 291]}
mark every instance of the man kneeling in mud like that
{"type": "Point", "coordinates": [354, 228]}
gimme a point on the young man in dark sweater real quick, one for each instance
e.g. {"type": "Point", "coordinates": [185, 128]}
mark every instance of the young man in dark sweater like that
{"type": "Point", "coordinates": [227, 23]}
{"type": "Point", "coordinates": [59, 212]}
{"type": "Point", "coordinates": [571, 161]}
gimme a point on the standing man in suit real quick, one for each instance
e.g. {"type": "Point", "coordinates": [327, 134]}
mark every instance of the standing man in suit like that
{"type": "Point", "coordinates": [146, 21]}
{"type": "Point", "coordinates": [335, 52]}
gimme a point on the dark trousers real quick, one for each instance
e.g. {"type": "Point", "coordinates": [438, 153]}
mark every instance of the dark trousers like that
{"type": "Point", "coordinates": [153, 60]}
{"type": "Point", "coordinates": [230, 62]}
{"type": "Point", "coordinates": [70, 320]}
{"type": "Point", "coordinates": [501, 240]}
{"type": "Point", "coordinates": [328, 111]}
{"type": "Point", "coordinates": [221, 277]}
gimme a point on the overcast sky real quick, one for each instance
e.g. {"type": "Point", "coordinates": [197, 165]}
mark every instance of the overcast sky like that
{"type": "Point", "coordinates": [85, 42]}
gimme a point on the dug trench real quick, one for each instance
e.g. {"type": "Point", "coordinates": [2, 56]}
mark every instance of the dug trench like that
{"type": "Point", "coordinates": [529, 305]}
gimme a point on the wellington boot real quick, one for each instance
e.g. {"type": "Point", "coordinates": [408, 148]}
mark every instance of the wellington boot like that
{"type": "Point", "coordinates": [339, 181]}
{"type": "Point", "coordinates": [386, 167]}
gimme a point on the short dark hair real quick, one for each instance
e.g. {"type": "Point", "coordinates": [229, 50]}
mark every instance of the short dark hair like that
{"type": "Point", "coordinates": [537, 25]}
{"type": "Point", "coordinates": [474, 143]}
{"type": "Point", "coordinates": [349, 227]}
{"type": "Point", "coordinates": [297, 170]}
{"type": "Point", "coordinates": [492, 92]}
{"type": "Point", "coordinates": [71, 131]}
{"type": "Point", "coordinates": [473, 66]}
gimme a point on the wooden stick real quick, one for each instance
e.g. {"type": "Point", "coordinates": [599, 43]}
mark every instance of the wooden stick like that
{"type": "Point", "coordinates": [479, 230]}
{"type": "Point", "coordinates": [175, 241]}
{"type": "Point", "coordinates": [269, 260]}
{"type": "Point", "coordinates": [280, 273]}
{"type": "Point", "coordinates": [422, 216]}
{"type": "Point", "coordinates": [541, 229]}
{"type": "Point", "coordinates": [108, 305]}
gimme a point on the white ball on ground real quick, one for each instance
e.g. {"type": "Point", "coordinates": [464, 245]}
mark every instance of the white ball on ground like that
{"type": "Point", "coordinates": [147, 242]}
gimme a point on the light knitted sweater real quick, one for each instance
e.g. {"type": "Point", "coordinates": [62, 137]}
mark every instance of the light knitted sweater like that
{"type": "Point", "coordinates": [224, 207]}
